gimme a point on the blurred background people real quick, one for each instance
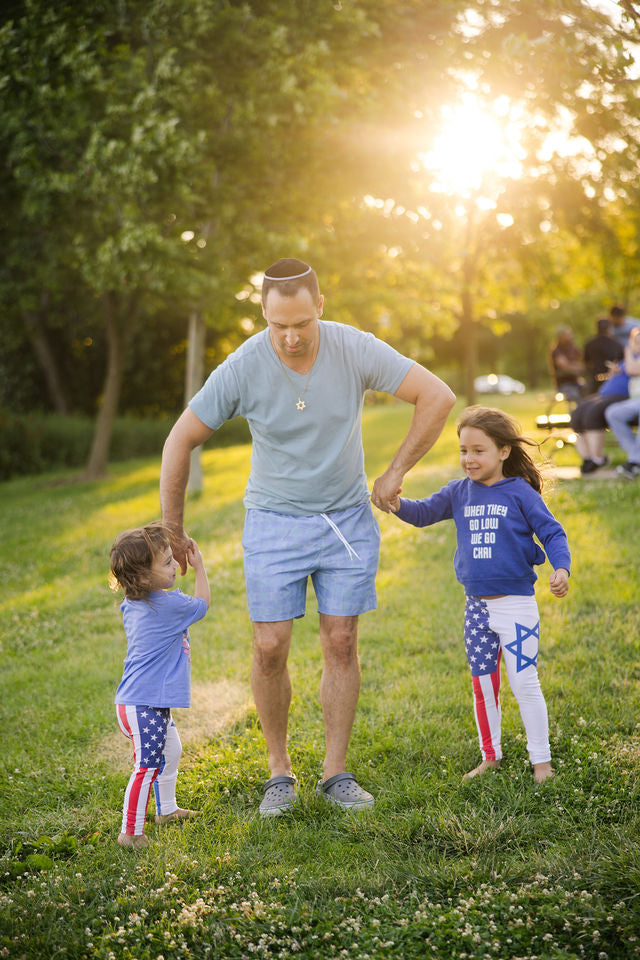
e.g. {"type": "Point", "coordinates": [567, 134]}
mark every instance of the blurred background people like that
{"type": "Point", "coordinates": [567, 365]}
{"type": "Point", "coordinates": [623, 416]}
{"type": "Point", "coordinates": [589, 423]}
{"type": "Point", "coordinates": [621, 324]}
{"type": "Point", "coordinates": [601, 355]}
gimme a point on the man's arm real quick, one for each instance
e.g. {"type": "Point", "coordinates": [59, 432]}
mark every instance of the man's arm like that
{"type": "Point", "coordinates": [187, 433]}
{"type": "Point", "coordinates": [433, 401]}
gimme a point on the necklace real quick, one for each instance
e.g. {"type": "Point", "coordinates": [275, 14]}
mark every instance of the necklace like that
{"type": "Point", "coordinates": [300, 404]}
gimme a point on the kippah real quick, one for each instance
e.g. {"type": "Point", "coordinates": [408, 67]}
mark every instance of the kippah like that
{"type": "Point", "coordinates": [295, 277]}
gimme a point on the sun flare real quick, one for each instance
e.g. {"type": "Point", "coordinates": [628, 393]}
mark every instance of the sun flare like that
{"type": "Point", "coordinates": [479, 145]}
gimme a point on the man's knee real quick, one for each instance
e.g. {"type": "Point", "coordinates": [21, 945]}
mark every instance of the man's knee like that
{"type": "Point", "coordinates": [270, 648]}
{"type": "Point", "coordinates": [340, 640]}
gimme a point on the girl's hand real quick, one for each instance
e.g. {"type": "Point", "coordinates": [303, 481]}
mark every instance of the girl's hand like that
{"type": "Point", "coordinates": [193, 555]}
{"type": "Point", "coordinates": [394, 504]}
{"type": "Point", "coordinates": [559, 582]}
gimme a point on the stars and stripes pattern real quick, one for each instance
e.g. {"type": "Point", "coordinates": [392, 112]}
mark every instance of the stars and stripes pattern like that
{"type": "Point", "coordinates": [484, 646]}
{"type": "Point", "coordinates": [481, 642]}
{"type": "Point", "coordinates": [483, 650]}
{"type": "Point", "coordinates": [146, 727]}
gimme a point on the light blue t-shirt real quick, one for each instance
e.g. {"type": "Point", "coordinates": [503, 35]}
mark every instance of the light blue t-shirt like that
{"type": "Point", "coordinates": [157, 668]}
{"type": "Point", "coordinates": [303, 461]}
{"type": "Point", "coordinates": [621, 333]}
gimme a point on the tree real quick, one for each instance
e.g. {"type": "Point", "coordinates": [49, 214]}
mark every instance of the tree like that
{"type": "Point", "coordinates": [158, 150]}
{"type": "Point", "coordinates": [488, 250]}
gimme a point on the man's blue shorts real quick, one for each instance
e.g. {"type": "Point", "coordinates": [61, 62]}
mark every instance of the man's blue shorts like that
{"type": "Point", "coordinates": [338, 550]}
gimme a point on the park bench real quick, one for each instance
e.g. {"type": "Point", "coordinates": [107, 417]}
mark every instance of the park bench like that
{"type": "Point", "coordinates": [557, 422]}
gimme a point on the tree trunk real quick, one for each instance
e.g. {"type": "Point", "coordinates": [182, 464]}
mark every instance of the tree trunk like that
{"type": "Point", "coordinates": [193, 381]}
{"type": "Point", "coordinates": [468, 324]}
{"type": "Point", "coordinates": [116, 328]}
{"type": "Point", "coordinates": [36, 331]}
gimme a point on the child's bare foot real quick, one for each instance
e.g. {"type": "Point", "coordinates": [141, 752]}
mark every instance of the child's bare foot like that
{"type": "Point", "coordinates": [138, 842]}
{"type": "Point", "coordinates": [178, 814]}
{"type": "Point", "coordinates": [482, 768]}
{"type": "Point", "coordinates": [542, 772]}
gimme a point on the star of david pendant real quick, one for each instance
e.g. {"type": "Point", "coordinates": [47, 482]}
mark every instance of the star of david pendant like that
{"type": "Point", "coordinates": [300, 404]}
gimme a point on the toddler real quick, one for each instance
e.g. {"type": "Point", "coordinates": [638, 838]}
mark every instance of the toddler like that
{"type": "Point", "coordinates": [157, 669]}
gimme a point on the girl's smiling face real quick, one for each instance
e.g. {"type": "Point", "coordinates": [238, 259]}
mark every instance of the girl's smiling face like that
{"type": "Point", "coordinates": [163, 570]}
{"type": "Point", "coordinates": [480, 458]}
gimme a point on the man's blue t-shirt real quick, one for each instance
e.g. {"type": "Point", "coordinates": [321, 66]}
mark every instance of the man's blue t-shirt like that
{"type": "Point", "coordinates": [157, 668]}
{"type": "Point", "coordinates": [305, 461]}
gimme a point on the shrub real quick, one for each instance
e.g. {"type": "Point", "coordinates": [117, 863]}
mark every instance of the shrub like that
{"type": "Point", "coordinates": [34, 443]}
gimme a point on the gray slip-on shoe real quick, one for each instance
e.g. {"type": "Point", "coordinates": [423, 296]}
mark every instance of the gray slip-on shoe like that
{"type": "Point", "coordinates": [344, 791]}
{"type": "Point", "coordinates": [279, 795]}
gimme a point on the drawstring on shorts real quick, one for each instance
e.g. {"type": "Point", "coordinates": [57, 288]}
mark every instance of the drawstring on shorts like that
{"type": "Point", "coordinates": [352, 553]}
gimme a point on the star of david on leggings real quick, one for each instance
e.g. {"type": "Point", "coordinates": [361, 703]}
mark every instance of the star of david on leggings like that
{"type": "Point", "coordinates": [506, 627]}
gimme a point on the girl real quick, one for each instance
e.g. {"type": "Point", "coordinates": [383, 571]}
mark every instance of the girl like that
{"type": "Point", "coordinates": [497, 509]}
{"type": "Point", "coordinates": [157, 669]}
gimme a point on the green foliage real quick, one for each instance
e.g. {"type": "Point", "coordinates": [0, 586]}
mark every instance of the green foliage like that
{"type": "Point", "coordinates": [495, 867]}
{"type": "Point", "coordinates": [130, 126]}
{"type": "Point", "coordinates": [37, 443]}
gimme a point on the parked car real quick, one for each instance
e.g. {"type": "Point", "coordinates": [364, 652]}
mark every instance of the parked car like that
{"type": "Point", "coordinates": [498, 383]}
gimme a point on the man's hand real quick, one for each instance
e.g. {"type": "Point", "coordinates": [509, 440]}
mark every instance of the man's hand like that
{"type": "Point", "coordinates": [181, 545]}
{"type": "Point", "coordinates": [386, 490]}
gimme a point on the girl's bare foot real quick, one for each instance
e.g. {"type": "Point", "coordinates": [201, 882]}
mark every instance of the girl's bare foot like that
{"type": "Point", "coordinates": [138, 842]}
{"type": "Point", "coordinates": [542, 772]}
{"type": "Point", "coordinates": [482, 768]}
{"type": "Point", "coordinates": [178, 814]}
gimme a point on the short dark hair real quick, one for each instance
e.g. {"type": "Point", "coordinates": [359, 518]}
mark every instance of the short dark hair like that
{"type": "Point", "coordinates": [617, 311]}
{"type": "Point", "coordinates": [289, 275]}
{"type": "Point", "coordinates": [132, 556]}
{"type": "Point", "coordinates": [603, 324]}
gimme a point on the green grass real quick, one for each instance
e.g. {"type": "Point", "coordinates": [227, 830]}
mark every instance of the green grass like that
{"type": "Point", "coordinates": [495, 867]}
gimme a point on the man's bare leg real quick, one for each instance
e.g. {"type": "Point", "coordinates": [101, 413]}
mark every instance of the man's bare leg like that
{"type": "Point", "coordinates": [272, 689]}
{"type": "Point", "coordinates": [339, 687]}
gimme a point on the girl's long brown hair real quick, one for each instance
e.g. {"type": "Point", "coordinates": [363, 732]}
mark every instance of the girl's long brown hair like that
{"type": "Point", "coordinates": [505, 432]}
{"type": "Point", "coordinates": [132, 556]}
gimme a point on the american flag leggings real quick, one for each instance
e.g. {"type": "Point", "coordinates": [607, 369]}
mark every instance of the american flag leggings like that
{"type": "Point", "coordinates": [506, 628]}
{"type": "Point", "coordinates": [156, 754]}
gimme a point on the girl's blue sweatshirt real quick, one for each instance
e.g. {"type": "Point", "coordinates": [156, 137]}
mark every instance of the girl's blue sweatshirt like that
{"type": "Point", "coordinates": [495, 525]}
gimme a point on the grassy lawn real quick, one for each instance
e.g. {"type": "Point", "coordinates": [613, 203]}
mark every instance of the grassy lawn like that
{"type": "Point", "coordinates": [495, 867]}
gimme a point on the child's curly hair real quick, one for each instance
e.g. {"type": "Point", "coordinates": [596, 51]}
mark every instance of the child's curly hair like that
{"type": "Point", "coordinates": [132, 556]}
{"type": "Point", "coordinates": [505, 432]}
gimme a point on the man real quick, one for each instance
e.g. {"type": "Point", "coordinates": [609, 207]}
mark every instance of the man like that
{"type": "Point", "coordinates": [601, 354]}
{"type": "Point", "coordinates": [621, 324]}
{"type": "Point", "coordinates": [567, 365]}
{"type": "Point", "coordinates": [300, 384]}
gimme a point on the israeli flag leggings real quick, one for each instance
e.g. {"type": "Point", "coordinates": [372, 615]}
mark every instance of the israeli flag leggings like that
{"type": "Point", "coordinates": [506, 627]}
